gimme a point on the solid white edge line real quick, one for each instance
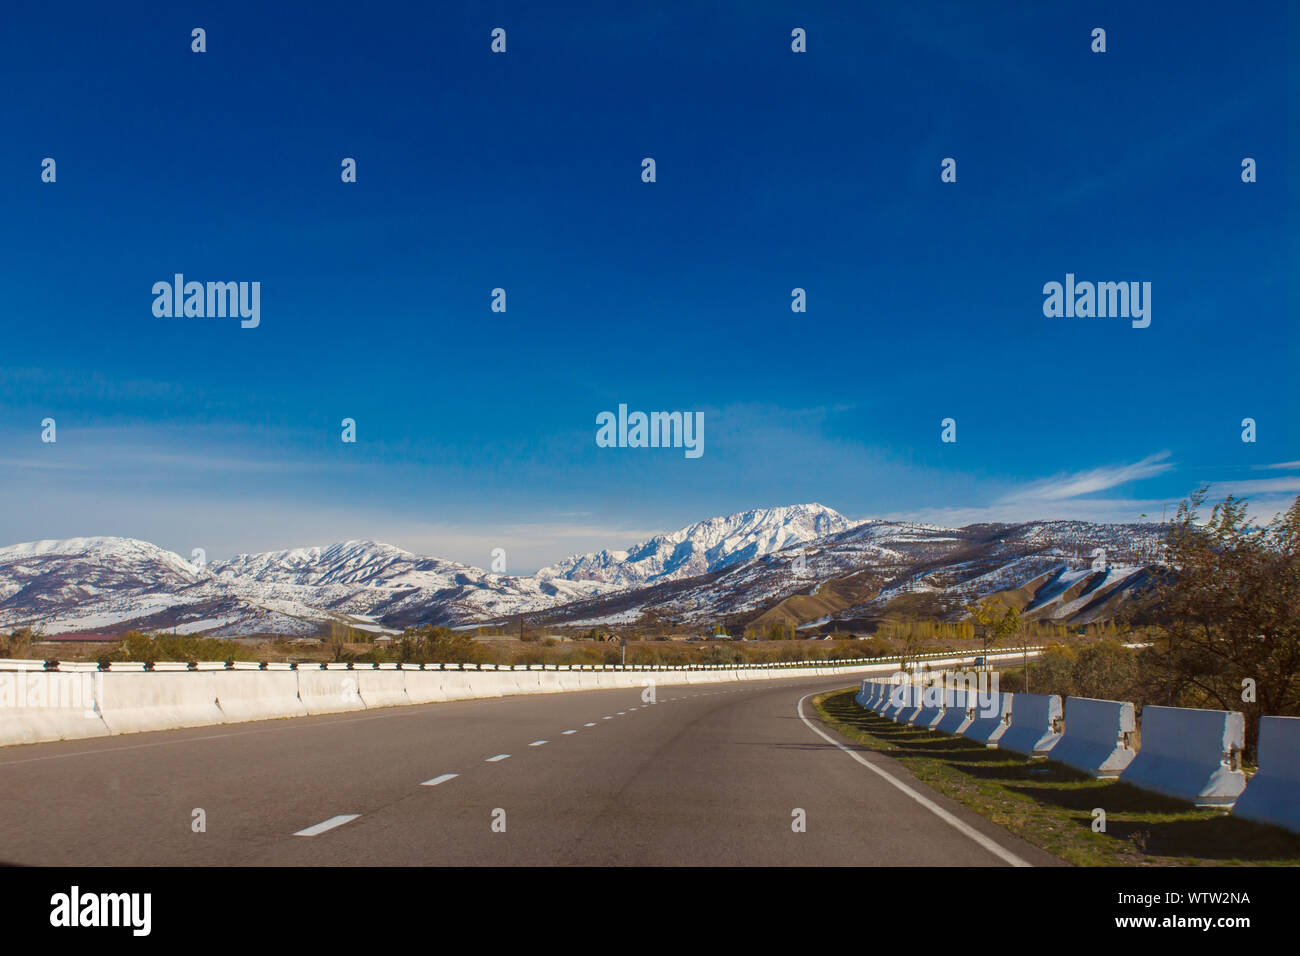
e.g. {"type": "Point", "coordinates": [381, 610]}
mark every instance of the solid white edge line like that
{"type": "Point", "coordinates": [329, 824]}
{"type": "Point", "coordinates": [959, 825]}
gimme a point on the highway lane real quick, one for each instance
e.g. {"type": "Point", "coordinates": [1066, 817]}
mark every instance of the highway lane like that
{"type": "Point", "coordinates": [706, 775]}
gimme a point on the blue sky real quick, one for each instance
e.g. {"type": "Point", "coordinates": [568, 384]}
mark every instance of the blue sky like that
{"type": "Point", "coordinates": [775, 170]}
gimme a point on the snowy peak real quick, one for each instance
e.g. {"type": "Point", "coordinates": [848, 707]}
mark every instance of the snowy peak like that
{"type": "Point", "coordinates": [370, 563]}
{"type": "Point", "coordinates": [105, 555]}
{"type": "Point", "coordinates": [704, 546]}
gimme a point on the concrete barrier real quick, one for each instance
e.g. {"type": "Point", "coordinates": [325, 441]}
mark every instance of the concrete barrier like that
{"type": "Point", "coordinates": [1035, 725]}
{"type": "Point", "coordinates": [904, 703]}
{"type": "Point", "coordinates": [930, 711]}
{"type": "Point", "coordinates": [330, 691]}
{"type": "Point", "coordinates": [456, 684]}
{"type": "Point", "coordinates": [881, 700]}
{"type": "Point", "coordinates": [386, 688]}
{"type": "Point", "coordinates": [1190, 754]}
{"type": "Point", "coordinates": [258, 695]}
{"type": "Point", "coordinates": [502, 683]}
{"type": "Point", "coordinates": [863, 694]}
{"type": "Point", "coordinates": [48, 705]}
{"type": "Point", "coordinates": [135, 702]}
{"type": "Point", "coordinates": [130, 697]}
{"type": "Point", "coordinates": [1098, 738]}
{"type": "Point", "coordinates": [956, 712]}
{"type": "Point", "coordinates": [881, 706]}
{"type": "Point", "coordinates": [869, 694]}
{"type": "Point", "coordinates": [423, 687]}
{"type": "Point", "coordinates": [890, 700]}
{"type": "Point", "coordinates": [881, 696]}
{"type": "Point", "coordinates": [1273, 794]}
{"type": "Point", "coordinates": [989, 720]}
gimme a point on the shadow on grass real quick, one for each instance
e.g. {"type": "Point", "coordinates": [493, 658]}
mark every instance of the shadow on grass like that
{"type": "Point", "coordinates": [1148, 822]}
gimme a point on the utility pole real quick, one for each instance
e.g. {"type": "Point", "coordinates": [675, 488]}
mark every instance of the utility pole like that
{"type": "Point", "coordinates": [1024, 643]}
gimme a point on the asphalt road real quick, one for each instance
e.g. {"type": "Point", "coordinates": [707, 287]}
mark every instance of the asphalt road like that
{"type": "Point", "coordinates": [708, 775]}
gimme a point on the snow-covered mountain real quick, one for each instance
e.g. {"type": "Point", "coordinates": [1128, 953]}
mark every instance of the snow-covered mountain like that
{"type": "Point", "coordinates": [112, 584]}
{"type": "Point", "coordinates": [369, 563]}
{"type": "Point", "coordinates": [1070, 572]}
{"type": "Point", "coordinates": [703, 547]}
{"type": "Point", "coordinates": [800, 563]}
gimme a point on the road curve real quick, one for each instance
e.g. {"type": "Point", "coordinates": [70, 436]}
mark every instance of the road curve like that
{"type": "Point", "coordinates": [708, 775]}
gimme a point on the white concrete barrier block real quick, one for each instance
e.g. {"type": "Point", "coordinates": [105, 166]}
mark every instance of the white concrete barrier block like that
{"type": "Point", "coordinates": [956, 712]}
{"type": "Point", "coordinates": [1098, 738]}
{"type": "Point", "coordinates": [1190, 754]}
{"type": "Point", "coordinates": [331, 691]}
{"type": "Point", "coordinates": [132, 703]}
{"type": "Point", "coordinates": [1273, 794]}
{"type": "Point", "coordinates": [1034, 726]}
{"type": "Point", "coordinates": [990, 717]}
{"type": "Point", "coordinates": [423, 687]}
{"type": "Point", "coordinates": [902, 703]}
{"type": "Point", "coordinates": [456, 684]}
{"type": "Point", "coordinates": [382, 688]}
{"type": "Point", "coordinates": [930, 711]}
{"type": "Point", "coordinates": [36, 706]}
{"type": "Point", "coordinates": [254, 695]}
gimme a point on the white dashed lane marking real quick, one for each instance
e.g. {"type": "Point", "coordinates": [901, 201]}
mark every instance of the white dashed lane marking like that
{"type": "Point", "coordinates": [329, 824]}
{"type": "Point", "coordinates": [570, 731]}
{"type": "Point", "coordinates": [538, 743]}
{"type": "Point", "coordinates": [442, 779]}
{"type": "Point", "coordinates": [592, 724]}
{"type": "Point", "coordinates": [496, 758]}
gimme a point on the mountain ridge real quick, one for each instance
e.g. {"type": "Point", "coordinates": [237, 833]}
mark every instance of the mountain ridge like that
{"type": "Point", "coordinates": [734, 567]}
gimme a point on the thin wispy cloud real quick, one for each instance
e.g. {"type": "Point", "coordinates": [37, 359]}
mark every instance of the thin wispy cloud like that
{"type": "Point", "coordinates": [1066, 487]}
{"type": "Point", "coordinates": [1259, 486]}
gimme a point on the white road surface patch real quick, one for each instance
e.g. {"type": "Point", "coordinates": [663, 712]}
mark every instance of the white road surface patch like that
{"type": "Point", "coordinates": [329, 824]}
{"type": "Point", "coordinates": [442, 779]}
{"type": "Point", "coordinates": [959, 825]}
